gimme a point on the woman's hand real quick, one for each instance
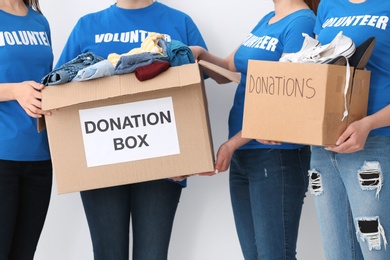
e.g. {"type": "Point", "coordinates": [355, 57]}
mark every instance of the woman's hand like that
{"type": "Point", "coordinates": [268, 142]}
{"type": "Point", "coordinates": [28, 95]}
{"type": "Point", "coordinates": [224, 155]}
{"type": "Point", "coordinates": [207, 173]}
{"type": "Point", "coordinates": [181, 178]}
{"type": "Point", "coordinates": [353, 138]}
{"type": "Point", "coordinates": [226, 150]}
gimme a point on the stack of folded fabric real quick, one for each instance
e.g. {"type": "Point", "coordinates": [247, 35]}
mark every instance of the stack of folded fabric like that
{"type": "Point", "coordinates": [153, 57]}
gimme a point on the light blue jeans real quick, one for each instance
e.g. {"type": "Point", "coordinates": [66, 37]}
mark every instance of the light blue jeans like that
{"type": "Point", "coordinates": [352, 195]}
{"type": "Point", "coordinates": [97, 70]}
{"type": "Point", "coordinates": [267, 189]}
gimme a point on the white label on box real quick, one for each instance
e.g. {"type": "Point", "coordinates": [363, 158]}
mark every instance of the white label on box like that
{"type": "Point", "coordinates": [129, 132]}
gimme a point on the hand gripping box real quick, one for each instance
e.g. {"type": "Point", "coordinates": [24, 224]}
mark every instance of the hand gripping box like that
{"type": "Point", "coordinates": [302, 103]}
{"type": "Point", "coordinates": [117, 130]}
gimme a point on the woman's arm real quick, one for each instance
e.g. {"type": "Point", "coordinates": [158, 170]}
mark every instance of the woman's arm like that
{"type": "Point", "coordinates": [226, 150]}
{"type": "Point", "coordinates": [201, 53]}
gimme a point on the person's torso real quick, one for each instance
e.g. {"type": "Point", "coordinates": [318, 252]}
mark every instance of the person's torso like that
{"type": "Point", "coordinates": [116, 30]}
{"type": "Point", "coordinates": [26, 54]}
{"type": "Point", "coordinates": [359, 22]}
{"type": "Point", "coordinates": [267, 42]}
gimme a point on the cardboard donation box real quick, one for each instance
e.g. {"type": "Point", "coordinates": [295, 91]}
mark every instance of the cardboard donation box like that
{"type": "Point", "coordinates": [302, 103]}
{"type": "Point", "coordinates": [117, 130]}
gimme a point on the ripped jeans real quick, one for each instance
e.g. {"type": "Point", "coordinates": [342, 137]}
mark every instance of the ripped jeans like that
{"type": "Point", "coordinates": [352, 196]}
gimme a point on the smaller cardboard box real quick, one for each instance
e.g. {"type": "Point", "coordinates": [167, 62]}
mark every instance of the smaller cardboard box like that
{"type": "Point", "coordinates": [118, 130]}
{"type": "Point", "coordinates": [302, 103]}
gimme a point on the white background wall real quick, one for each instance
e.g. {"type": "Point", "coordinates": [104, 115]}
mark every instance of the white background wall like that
{"type": "Point", "coordinates": [204, 227]}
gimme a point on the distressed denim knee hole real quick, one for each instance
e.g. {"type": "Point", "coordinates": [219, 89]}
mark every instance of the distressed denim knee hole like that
{"type": "Point", "coordinates": [371, 231]}
{"type": "Point", "coordinates": [370, 177]}
{"type": "Point", "coordinates": [315, 183]}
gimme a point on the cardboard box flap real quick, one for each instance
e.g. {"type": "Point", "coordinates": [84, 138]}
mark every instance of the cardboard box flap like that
{"type": "Point", "coordinates": [80, 92]}
{"type": "Point", "coordinates": [232, 76]}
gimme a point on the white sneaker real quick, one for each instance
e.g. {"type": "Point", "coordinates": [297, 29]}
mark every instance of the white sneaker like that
{"type": "Point", "coordinates": [308, 45]}
{"type": "Point", "coordinates": [340, 46]}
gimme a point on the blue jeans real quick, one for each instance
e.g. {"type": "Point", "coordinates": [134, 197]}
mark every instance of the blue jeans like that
{"type": "Point", "coordinates": [100, 69]}
{"type": "Point", "coordinates": [66, 72]}
{"type": "Point", "coordinates": [352, 196]}
{"type": "Point", "coordinates": [25, 189]}
{"type": "Point", "coordinates": [267, 189]}
{"type": "Point", "coordinates": [129, 63]}
{"type": "Point", "coordinates": [152, 207]}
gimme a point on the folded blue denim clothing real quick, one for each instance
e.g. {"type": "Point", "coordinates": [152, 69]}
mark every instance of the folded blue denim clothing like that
{"type": "Point", "coordinates": [101, 69]}
{"type": "Point", "coordinates": [128, 64]}
{"type": "Point", "coordinates": [69, 70]}
{"type": "Point", "coordinates": [179, 53]}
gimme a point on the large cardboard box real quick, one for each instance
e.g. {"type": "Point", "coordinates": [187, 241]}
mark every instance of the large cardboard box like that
{"type": "Point", "coordinates": [118, 130]}
{"type": "Point", "coordinates": [302, 103]}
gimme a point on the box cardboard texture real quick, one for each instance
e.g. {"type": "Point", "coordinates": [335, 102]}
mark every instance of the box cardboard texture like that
{"type": "Point", "coordinates": [301, 103]}
{"type": "Point", "coordinates": [165, 143]}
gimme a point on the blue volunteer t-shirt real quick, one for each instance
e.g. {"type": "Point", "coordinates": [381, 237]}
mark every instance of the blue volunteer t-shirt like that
{"type": "Point", "coordinates": [359, 22]}
{"type": "Point", "coordinates": [267, 42]}
{"type": "Point", "coordinates": [25, 54]}
{"type": "Point", "coordinates": [120, 30]}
